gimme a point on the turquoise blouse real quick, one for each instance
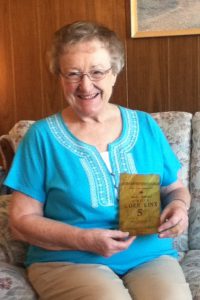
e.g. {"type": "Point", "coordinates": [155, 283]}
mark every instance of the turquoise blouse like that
{"type": "Point", "coordinates": [72, 180]}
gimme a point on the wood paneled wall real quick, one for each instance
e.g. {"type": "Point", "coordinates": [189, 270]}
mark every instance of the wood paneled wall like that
{"type": "Point", "coordinates": [160, 74]}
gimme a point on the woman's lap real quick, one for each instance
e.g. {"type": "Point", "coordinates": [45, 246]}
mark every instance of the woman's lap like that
{"type": "Point", "coordinates": [159, 279]}
{"type": "Point", "coordinates": [57, 281]}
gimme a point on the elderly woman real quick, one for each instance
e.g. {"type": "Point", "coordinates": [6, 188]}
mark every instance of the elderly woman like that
{"type": "Point", "coordinates": [66, 178]}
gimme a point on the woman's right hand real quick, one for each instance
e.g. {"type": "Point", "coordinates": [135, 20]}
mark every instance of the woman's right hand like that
{"type": "Point", "coordinates": [104, 242]}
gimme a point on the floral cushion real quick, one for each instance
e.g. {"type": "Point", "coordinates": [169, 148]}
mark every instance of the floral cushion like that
{"type": "Point", "coordinates": [14, 284]}
{"type": "Point", "coordinates": [13, 281]}
{"type": "Point", "coordinates": [177, 128]}
{"type": "Point", "coordinates": [18, 131]}
{"type": "Point", "coordinates": [9, 142]}
{"type": "Point", "coordinates": [194, 229]}
{"type": "Point", "coordinates": [11, 251]}
{"type": "Point", "coordinates": [191, 268]}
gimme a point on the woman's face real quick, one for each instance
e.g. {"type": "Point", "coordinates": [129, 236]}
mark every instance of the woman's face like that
{"type": "Point", "coordinates": [87, 97]}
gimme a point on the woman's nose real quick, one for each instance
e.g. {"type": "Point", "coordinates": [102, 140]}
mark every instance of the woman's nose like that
{"type": "Point", "coordinates": [85, 83]}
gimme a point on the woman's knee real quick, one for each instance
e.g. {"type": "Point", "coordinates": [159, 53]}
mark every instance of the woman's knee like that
{"type": "Point", "coordinates": [162, 278]}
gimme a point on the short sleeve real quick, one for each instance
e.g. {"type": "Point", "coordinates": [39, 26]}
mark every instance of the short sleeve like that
{"type": "Point", "coordinates": [27, 172]}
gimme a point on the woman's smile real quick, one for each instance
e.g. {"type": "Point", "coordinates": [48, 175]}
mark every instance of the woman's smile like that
{"type": "Point", "coordinates": [91, 96]}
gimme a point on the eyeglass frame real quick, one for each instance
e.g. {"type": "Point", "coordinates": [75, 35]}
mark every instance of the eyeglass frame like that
{"type": "Point", "coordinates": [81, 75]}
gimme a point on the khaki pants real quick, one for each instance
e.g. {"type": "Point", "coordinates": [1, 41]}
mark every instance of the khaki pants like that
{"type": "Point", "coordinates": [161, 279]}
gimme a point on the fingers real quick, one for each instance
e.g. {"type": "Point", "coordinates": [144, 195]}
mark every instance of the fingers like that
{"type": "Point", "coordinates": [118, 234]}
{"type": "Point", "coordinates": [173, 227]}
{"type": "Point", "coordinates": [122, 239]}
{"type": "Point", "coordinates": [171, 231]}
{"type": "Point", "coordinates": [117, 241]}
{"type": "Point", "coordinates": [174, 221]}
{"type": "Point", "coordinates": [170, 222]}
{"type": "Point", "coordinates": [105, 242]}
{"type": "Point", "coordinates": [118, 245]}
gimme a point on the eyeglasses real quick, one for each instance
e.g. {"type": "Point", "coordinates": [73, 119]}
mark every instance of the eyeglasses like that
{"type": "Point", "coordinates": [93, 75]}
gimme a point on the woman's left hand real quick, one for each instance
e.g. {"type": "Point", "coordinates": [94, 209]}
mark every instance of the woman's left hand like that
{"type": "Point", "coordinates": [174, 220]}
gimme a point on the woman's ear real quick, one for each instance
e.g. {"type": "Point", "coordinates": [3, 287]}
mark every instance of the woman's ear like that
{"type": "Point", "coordinates": [114, 78]}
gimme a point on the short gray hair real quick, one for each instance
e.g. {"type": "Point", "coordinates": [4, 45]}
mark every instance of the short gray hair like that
{"type": "Point", "coordinates": [84, 31]}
